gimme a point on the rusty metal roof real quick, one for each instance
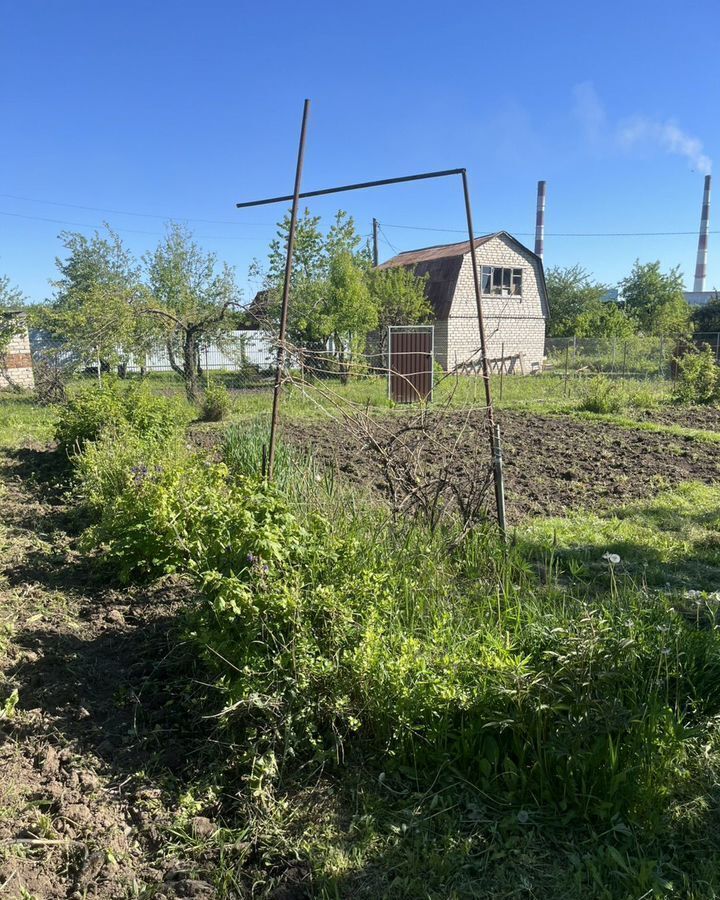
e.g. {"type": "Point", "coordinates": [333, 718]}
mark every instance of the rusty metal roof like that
{"type": "Point", "coordinates": [442, 263]}
{"type": "Point", "coordinates": [440, 251]}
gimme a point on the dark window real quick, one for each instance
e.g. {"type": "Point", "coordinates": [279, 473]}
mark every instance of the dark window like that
{"type": "Point", "coordinates": [486, 279]}
{"type": "Point", "coordinates": [502, 282]}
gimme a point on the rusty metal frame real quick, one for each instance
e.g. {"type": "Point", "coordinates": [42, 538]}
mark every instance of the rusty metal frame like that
{"type": "Point", "coordinates": [493, 429]}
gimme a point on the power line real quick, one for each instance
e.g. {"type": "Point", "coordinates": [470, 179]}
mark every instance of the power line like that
{"type": "Point", "coordinates": [558, 233]}
{"type": "Point", "coordinates": [120, 212]}
{"type": "Point", "coordinates": [207, 237]}
{"type": "Point", "coordinates": [387, 240]}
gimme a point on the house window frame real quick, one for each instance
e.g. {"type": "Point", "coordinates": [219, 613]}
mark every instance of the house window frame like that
{"type": "Point", "coordinates": [504, 283]}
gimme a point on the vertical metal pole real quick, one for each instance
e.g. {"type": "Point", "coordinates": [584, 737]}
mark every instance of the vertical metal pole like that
{"type": "Point", "coordinates": [375, 242]}
{"type": "Point", "coordinates": [497, 469]}
{"type": "Point", "coordinates": [502, 368]}
{"type": "Point", "coordinates": [286, 294]}
{"type": "Point", "coordinates": [624, 374]}
{"type": "Point", "coordinates": [500, 482]}
{"type": "Point", "coordinates": [567, 359]}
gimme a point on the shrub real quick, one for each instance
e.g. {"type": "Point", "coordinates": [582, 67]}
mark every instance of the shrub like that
{"type": "Point", "coordinates": [602, 395]}
{"type": "Point", "coordinates": [85, 414]}
{"type": "Point", "coordinates": [160, 508]}
{"type": "Point", "coordinates": [92, 410]}
{"type": "Point", "coordinates": [216, 403]}
{"type": "Point", "coordinates": [644, 398]}
{"type": "Point", "coordinates": [698, 377]}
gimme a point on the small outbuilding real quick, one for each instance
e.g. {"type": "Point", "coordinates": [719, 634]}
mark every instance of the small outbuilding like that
{"type": "Point", "coordinates": [16, 369]}
{"type": "Point", "coordinates": [514, 302]}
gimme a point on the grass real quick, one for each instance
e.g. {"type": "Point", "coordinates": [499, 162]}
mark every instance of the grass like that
{"type": "Point", "coordinates": [23, 421]}
{"type": "Point", "coordinates": [454, 722]}
{"type": "Point", "coordinates": [671, 541]}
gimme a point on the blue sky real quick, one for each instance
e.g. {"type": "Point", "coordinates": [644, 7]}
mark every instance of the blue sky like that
{"type": "Point", "coordinates": [174, 109]}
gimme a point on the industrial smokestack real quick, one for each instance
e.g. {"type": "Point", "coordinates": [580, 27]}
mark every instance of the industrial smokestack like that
{"type": "Point", "coordinates": [701, 265]}
{"type": "Point", "coordinates": [540, 219]}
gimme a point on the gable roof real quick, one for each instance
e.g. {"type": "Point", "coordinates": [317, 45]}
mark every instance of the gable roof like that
{"type": "Point", "coordinates": [442, 263]}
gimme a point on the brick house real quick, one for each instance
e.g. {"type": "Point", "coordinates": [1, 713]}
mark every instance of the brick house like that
{"type": "Point", "coordinates": [15, 362]}
{"type": "Point", "coordinates": [514, 301]}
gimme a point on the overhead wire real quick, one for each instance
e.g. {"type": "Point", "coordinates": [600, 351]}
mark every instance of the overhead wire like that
{"type": "Point", "coordinates": [556, 233]}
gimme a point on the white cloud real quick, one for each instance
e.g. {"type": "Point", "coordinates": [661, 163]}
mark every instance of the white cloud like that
{"type": "Point", "coordinates": [636, 132]}
{"type": "Point", "coordinates": [669, 137]}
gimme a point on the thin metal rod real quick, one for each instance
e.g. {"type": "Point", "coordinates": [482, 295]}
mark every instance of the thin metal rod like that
{"type": "Point", "coordinates": [500, 482]}
{"type": "Point", "coordinates": [351, 187]}
{"type": "Point", "coordinates": [375, 242]}
{"type": "Point", "coordinates": [497, 470]}
{"type": "Point", "coordinates": [286, 294]}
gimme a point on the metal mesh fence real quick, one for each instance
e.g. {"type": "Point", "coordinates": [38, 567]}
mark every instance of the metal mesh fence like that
{"type": "Point", "coordinates": [247, 359]}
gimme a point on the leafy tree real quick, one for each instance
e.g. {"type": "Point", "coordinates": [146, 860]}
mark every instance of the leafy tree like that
{"type": "Point", "coordinates": [11, 324]}
{"type": "Point", "coordinates": [310, 317]}
{"type": "Point", "coordinates": [189, 299]}
{"type": "Point", "coordinates": [707, 317]}
{"type": "Point", "coordinates": [656, 299]}
{"type": "Point", "coordinates": [572, 291]}
{"type": "Point", "coordinates": [604, 320]}
{"type": "Point", "coordinates": [93, 313]}
{"type": "Point", "coordinates": [399, 295]}
{"type": "Point", "coordinates": [348, 312]}
{"type": "Point", "coordinates": [309, 258]}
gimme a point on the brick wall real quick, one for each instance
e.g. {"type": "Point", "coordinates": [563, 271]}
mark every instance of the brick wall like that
{"type": "Point", "coordinates": [516, 322]}
{"type": "Point", "coordinates": [18, 363]}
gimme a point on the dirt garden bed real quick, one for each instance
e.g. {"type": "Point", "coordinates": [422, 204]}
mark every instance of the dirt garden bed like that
{"type": "Point", "coordinates": [706, 418]}
{"type": "Point", "coordinates": [552, 463]}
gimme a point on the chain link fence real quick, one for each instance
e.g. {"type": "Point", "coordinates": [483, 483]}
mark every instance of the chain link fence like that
{"type": "Point", "coordinates": [246, 360]}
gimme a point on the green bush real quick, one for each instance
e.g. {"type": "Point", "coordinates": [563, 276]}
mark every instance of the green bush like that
{"type": "Point", "coordinates": [92, 410]}
{"type": "Point", "coordinates": [698, 377]}
{"type": "Point", "coordinates": [216, 403]}
{"type": "Point", "coordinates": [85, 415]}
{"type": "Point", "coordinates": [160, 508]}
{"type": "Point", "coordinates": [601, 395]}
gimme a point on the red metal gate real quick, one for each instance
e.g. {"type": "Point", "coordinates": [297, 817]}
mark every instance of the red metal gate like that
{"type": "Point", "coordinates": [410, 367]}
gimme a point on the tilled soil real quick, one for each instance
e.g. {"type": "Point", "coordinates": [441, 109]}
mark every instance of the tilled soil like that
{"type": "Point", "coordinates": [706, 418]}
{"type": "Point", "coordinates": [552, 463]}
{"type": "Point", "coordinates": [80, 813]}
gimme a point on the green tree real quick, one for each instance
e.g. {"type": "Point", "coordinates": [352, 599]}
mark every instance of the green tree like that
{"type": "Point", "coordinates": [93, 313]}
{"type": "Point", "coordinates": [707, 317]}
{"type": "Point", "coordinates": [572, 291]}
{"type": "Point", "coordinates": [190, 300]}
{"type": "Point", "coordinates": [656, 299]}
{"type": "Point", "coordinates": [315, 277]}
{"type": "Point", "coordinates": [399, 295]}
{"type": "Point", "coordinates": [604, 320]}
{"type": "Point", "coordinates": [309, 259]}
{"type": "Point", "coordinates": [12, 323]}
{"type": "Point", "coordinates": [348, 312]}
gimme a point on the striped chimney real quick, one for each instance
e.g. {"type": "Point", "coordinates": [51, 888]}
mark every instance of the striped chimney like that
{"type": "Point", "coordinates": [540, 219]}
{"type": "Point", "coordinates": [701, 265]}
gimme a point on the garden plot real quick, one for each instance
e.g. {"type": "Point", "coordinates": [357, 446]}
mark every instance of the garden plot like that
{"type": "Point", "coordinates": [552, 463]}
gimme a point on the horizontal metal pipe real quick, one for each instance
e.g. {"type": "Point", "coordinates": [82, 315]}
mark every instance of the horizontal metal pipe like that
{"type": "Point", "coordinates": [351, 187]}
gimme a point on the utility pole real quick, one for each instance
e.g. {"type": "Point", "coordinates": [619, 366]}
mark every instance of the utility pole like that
{"type": "Point", "coordinates": [376, 224]}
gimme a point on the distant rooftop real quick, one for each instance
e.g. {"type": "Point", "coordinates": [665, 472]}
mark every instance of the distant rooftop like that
{"type": "Point", "coordinates": [699, 298]}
